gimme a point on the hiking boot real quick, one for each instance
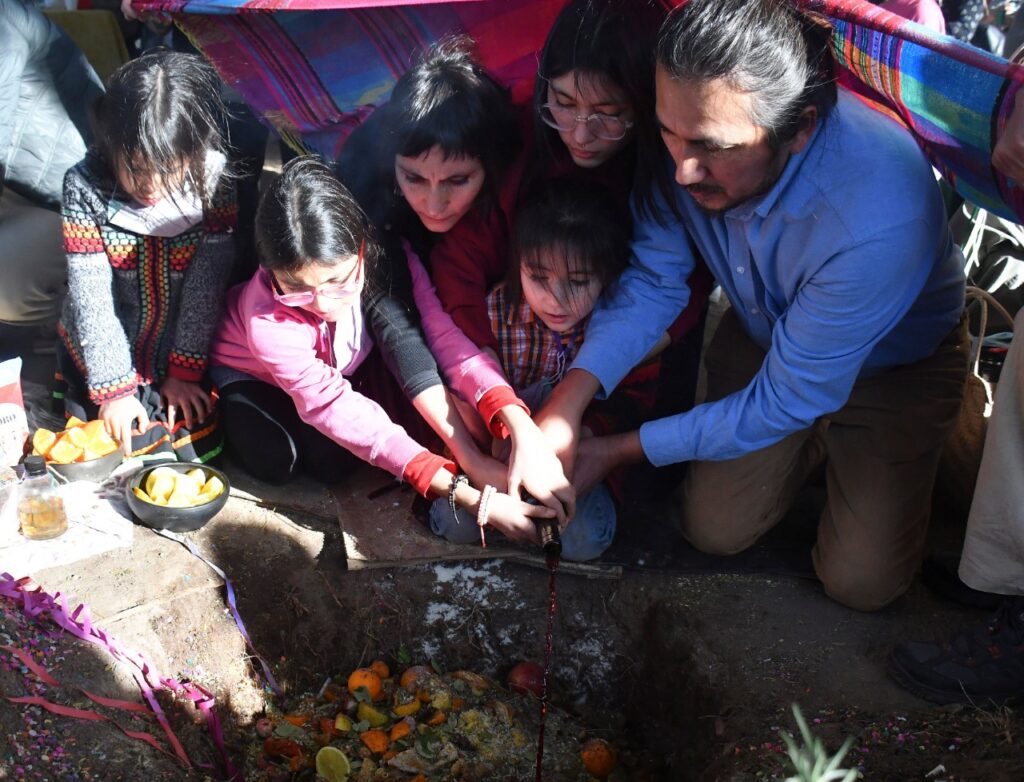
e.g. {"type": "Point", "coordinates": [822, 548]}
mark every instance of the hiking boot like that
{"type": "Point", "coordinates": [982, 665]}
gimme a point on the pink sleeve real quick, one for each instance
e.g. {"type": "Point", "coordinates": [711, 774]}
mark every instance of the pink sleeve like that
{"type": "Point", "coordinates": [470, 372]}
{"type": "Point", "coordinates": [324, 399]}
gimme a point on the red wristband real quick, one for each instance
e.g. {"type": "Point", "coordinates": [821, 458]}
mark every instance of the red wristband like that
{"type": "Point", "coordinates": [491, 402]}
{"type": "Point", "coordinates": [422, 468]}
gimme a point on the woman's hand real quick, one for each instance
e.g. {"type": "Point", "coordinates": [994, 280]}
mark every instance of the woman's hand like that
{"type": "Point", "coordinates": [188, 399]}
{"type": "Point", "coordinates": [118, 417]}
{"type": "Point", "coordinates": [533, 466]}
{"type": "Point", "coordinates": [515, 519]}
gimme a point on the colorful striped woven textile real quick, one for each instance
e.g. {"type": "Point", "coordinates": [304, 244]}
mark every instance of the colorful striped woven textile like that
{"type": "Point", "coordinates": [314, 68]}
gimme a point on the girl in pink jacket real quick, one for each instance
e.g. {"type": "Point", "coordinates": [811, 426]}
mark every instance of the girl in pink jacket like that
{"type": "Point", "coordinates": [296, 363]}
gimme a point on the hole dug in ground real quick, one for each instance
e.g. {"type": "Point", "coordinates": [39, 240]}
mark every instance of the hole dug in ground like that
{"type": "Point", "coordinates": [624, 670]}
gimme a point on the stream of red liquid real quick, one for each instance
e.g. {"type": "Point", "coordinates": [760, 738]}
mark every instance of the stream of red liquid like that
{"type": "Point", "coordinates": [552, 570]}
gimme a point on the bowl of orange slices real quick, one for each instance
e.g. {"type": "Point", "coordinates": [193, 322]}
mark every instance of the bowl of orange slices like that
{"type": "Point", "coordinates": [82, 451]}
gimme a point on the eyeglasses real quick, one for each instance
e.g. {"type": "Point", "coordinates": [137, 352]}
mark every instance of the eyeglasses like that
{"type": "Point", "coordinates": [603, 126]}
{"type": "Point", "coordinates": [348, 289]}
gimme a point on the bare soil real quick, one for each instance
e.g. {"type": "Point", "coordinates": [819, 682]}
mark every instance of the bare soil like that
{"type": "Point", "coordinates": [692, 676]}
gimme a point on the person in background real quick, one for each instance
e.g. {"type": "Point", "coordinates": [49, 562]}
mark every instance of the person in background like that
{"type": "Point", "coordinates": [592, 101]}
{"type": "Point", "coordinates": [984, 663]}
{"type": "Point", "coordinates": [46, 86]}
{"type": "Point", "coordinates": [844, 344]}
{"type": "Point", "coordinates": [924, 12]}
{"type": "Point", "coordinates": [148, 221]}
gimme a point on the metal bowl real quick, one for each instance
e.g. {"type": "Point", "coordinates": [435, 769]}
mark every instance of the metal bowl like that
{"type": "Point", "coordinates": [175, 519]}
{"type": "Point", "coordinates": [96, 470]}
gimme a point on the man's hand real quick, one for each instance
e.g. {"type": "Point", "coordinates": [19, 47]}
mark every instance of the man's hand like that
{"type": "Point", "coordinates": [598, 456]}
{"type": "Point", "coordinates": [1008, 155]}
{"type": "Point", "coordinates": [185, 398]}
{"type": "Point", "coordinates": [118, 417]}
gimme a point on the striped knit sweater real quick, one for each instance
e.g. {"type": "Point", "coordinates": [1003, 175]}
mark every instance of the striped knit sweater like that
{"type": "Point", "coordinates": [142, 304]}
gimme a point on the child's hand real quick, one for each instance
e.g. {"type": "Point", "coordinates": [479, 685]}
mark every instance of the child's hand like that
{"type": "Point", "coordinates": [118, 417]}
{"type": "Point", "coordinates": [533, 467]}
{"type": "Point", "coordinates": [514, 518]}
{"type": "Point", "coordinates": [188, 399]}
{"type": "Point", "coordinates": [485, 470]}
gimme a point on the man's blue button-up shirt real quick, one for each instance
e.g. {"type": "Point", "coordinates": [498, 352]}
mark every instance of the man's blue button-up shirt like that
{"type": "Point", "coordinates": [844, 268]}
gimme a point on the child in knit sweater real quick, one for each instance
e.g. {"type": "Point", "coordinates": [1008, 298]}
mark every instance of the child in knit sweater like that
{"type": "Point", "coordinates": [148, 222]}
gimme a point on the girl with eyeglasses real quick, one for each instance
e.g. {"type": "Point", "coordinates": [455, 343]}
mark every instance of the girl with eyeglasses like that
{"type": "Point", "coordinates": [306, 382]}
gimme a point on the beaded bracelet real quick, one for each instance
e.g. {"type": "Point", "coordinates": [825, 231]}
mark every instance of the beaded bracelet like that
{"type": "Point", "coordinates": [482, 511]}
{"type": "Point", "coordinates": [457, 480]}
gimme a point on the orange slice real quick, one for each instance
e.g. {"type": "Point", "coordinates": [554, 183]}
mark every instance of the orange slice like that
{"type": "Point", "coordinates": [43, 440]}
{"type": "Point", "coordinates": [64, 452]}
{"type": "Point", "coordinates": [77, 436]}
{"type": "Point", "coordinates": [94, 429]}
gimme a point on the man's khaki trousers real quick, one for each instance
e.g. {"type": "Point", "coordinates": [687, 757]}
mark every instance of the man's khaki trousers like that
{"type": "Point", "coordinates": [881, 452]}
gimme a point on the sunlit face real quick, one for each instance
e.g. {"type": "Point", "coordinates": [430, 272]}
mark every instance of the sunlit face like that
{"type": "Point", "coordinates": [586, 95]}
{"type": "Point", "coordinates": [721, 157]}
{"type": "Point", "coordinates": [561, 294]}
{"type": "Point", "coordinates": [346, 276]}
{"type": "Point", "coordinates": [149, 189]}
{"type": "Point", "coordinates": [440, 190]}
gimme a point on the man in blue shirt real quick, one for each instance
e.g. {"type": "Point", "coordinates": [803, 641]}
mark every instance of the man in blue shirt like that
{"type": "Point", "coordinates": [822, 222]}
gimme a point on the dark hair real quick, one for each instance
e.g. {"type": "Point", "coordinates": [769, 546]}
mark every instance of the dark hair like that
{"type": "Point", "coordinates": [771, 49]}
{"type": "Point", "coordinates": [574, 220]}
{"type": "Point", "coordinates": [161, 110]}
{"type": "Point", "coordinates": [446, 99]}
{"type": "Point", "coordinates": [307, 217]}
{"type": "Point", "coordinates": [612, 40]}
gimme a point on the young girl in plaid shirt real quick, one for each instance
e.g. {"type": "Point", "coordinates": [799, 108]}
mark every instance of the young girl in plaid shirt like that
{"type": "Point", "coordinates": [570, 242]}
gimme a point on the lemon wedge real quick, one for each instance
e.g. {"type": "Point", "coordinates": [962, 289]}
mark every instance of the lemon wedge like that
{"type": "Point", "coordinates": [332, 765]}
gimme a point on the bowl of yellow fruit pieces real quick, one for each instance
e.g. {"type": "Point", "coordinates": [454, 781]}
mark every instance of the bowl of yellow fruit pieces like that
{"type": "Point", "coordinates": [81, 452]}
{"type": "Point", "coordinates": [177, 496]}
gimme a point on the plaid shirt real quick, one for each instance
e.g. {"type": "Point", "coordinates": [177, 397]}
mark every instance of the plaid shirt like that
{"type": "Point", "coordinates": [529, 351]}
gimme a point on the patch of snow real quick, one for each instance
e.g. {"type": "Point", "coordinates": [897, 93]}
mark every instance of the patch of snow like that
{"type": "Point", "coordinates": [430, 649]}
{"type": "Point", "coordinates": [442, 612]}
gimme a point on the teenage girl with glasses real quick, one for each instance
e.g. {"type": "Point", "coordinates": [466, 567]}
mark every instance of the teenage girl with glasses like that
{"type": "Point", "coordinates": [592, 119]}
{"type": "Point", "coordinates": [299, 366]}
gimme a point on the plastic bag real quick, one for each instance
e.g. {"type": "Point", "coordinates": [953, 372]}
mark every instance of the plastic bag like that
{"type": "Point", "coordinates": [13, 422]}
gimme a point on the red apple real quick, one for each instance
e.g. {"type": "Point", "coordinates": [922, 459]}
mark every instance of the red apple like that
{"type": "Point", "coordinates": [526, 677]}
